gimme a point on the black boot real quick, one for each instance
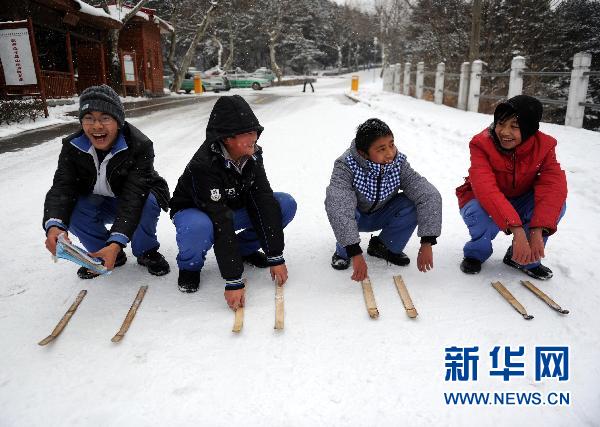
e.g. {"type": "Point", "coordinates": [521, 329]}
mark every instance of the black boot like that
{"type": "Point", "coordinates": [84, 273]}
{"type": "Point", "coordinates": [377, 249]}
{"type": "Point", "coordinates": [257, 259]}
{"type": "Point", "coordinates": [188, 281]}
{"type": "Point", "coordinates": [156, 263]}
{"type": "Point", "coordinates": [339, 263]}
{"type": "Point", "coordinates": [470, 265]}
{"type": "Point", "coordinates": [541, 272]}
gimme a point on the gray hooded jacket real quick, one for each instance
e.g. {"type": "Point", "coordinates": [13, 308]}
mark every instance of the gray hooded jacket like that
{"type": "Point", "coordinates": [357, 183]}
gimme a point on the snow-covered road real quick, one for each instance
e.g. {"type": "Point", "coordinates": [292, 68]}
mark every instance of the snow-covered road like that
{"type": "Point", "coordinates": [179, 363]}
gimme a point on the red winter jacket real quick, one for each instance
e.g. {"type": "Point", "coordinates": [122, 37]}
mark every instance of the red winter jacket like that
{"type": "Point", "coordinates": [495, 176]}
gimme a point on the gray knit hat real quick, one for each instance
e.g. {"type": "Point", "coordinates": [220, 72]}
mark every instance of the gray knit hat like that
{"type": "Point", "coordinates": [104, 99]}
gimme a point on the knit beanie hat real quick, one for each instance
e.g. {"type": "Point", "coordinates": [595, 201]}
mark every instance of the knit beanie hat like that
{"type": "Point", "coordinates": [104, 99]}
{"type": "Point", "coordinates": [528, 111]}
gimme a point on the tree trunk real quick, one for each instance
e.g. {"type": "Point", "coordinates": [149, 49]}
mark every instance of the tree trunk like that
{"type": "Point", "coordinates": [187, 59]}
{"type": "Point", "coordinates": [384, 60]}
{"type": "Point", "coordinates": [274, 66]}
{"type": "Point", "coordinates": [338, 63]}
{"type": "Point", "coordinates": [229, 61]}
{"type": "Point", "coordinates": [475, 30]}
{"type": "Point", "coordinates": [219, 52]}
{"type": "Point", "coordinates": [114, 64]}
{"type": "Point", "coordinates": [171, 58]}
{"type": "Point", "coordinates": [114, 67]}
{"type": "Point", "coordinates": [349, 59]}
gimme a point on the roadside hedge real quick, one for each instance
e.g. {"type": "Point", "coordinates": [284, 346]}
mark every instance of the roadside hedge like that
{"type": "Point", "coordinates": [15, 111]}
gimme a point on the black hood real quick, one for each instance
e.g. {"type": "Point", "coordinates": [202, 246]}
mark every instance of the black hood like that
{"type": "Point", "coordinates": [528, 111]}
{"type": "Point", "coordinates": [231, 116]}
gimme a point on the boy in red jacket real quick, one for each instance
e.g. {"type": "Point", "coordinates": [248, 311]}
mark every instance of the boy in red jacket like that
{"type": "Point", "coordinates": [516, 185]}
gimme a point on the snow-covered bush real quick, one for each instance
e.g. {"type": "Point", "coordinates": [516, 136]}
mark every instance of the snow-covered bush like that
{"type": "Point", "coordinates": [14, 111]}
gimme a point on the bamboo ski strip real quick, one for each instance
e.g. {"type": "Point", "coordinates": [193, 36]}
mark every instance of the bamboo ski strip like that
{"type": "Point", "coordinates": [540, 294]}
{"type": "Point", "coordinates": [511, 300]}
{"type": "Point", "coordinates": [370, 299]}
{"type": "Point", "coordinates": [411, 311]}
{"type": "Point", "coordinates": [278, 305]}
{"type": "Point", "coordinates": [65, 319]}
{"type": "Point", "coordinates": [239, 320]}
{"type": "Point", "coordinates": [130, 314]}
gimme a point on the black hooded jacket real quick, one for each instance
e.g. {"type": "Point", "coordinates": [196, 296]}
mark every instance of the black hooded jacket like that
{"type": "Point", "coordinates": [130, 173]}
{"type": "Point", "coordinates": [212, 184]}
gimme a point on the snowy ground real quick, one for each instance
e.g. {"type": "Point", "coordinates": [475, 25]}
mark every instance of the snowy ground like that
{"type": "Point", "coordinates": [180, 364]}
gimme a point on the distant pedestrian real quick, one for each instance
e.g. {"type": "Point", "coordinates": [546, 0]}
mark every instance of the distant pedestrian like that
{"type": "Point", "coordinates": [307, 79]}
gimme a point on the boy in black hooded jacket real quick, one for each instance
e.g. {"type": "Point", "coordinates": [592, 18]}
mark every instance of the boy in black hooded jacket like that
{"type": "Point", "coordinates": [224, 188]}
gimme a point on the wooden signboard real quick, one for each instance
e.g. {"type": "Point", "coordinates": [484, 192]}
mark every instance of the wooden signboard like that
{"type": "Point", "coordinates": [129, 74]}
{"type": "Point", "coordinates": [18, 54]}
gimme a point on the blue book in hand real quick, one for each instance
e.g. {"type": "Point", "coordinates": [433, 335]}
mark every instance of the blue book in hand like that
{"type": "Point", "coordinates": [73, 253]}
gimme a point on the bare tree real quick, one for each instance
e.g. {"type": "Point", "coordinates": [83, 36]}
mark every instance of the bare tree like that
{"type": "Point", "coordinates": [282, 33]}
{"type": "Point", "coordinates": [173, 39]}
{"type": "Point", "coordinates": [124, 14]}
{"type": "Point", "coordinates": [475, 30]}
{"type": "Point", "coordinates": [272, 26]}
{"type": "Point", "coordinates": [392, 15]}
{"type": "Point", "coordinates": [341, 33]}
{"type": "Point", "coordinates": [229, 60]}
{"type": "Point", "coordinates": [219, 49]}
{"type": "Point", "coordinates": [199, 31]}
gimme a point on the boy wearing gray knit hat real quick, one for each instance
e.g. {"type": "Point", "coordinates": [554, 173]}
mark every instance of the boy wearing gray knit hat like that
{"type": "Point", "coordinates": [106, 175]}
{"type": "Point", "coordinates": [103, 99]}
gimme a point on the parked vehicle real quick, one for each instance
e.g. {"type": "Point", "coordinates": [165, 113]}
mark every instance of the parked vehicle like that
{"type": "Point", "coordinates": [265, 73]}
{"type": "Point", "coordinates": [243, 79]}
{"type": "Point", "coordinates": [209, 83]}
{"type": "Point", "coordinates": [237, 70]}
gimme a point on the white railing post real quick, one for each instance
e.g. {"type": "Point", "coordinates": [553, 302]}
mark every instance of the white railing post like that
{"type": "Point", "coordinates": [385, 79]}
{"type": "Point", "coordinates": [463, 86]}
{"type": "Point", "coordinates": [438, 97]}
{"type": "Point", "coordinates": [420, 79]}
{"type": "Point", "coordinates": [578, 89]}
{"type": "Point", "coordinates": [515, 84]}
{"type": "Point", "coordinates": [475, 85]}
{"type": "Point", "coordinates": [406, 82]}
{"type": "Point", "coordinates": [388, 78]}
{"type": "Point", "coordinates": [397, 78]}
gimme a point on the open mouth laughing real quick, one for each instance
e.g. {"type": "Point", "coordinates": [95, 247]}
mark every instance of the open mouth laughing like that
{"type": "Point", "coordinates": [100, 137]}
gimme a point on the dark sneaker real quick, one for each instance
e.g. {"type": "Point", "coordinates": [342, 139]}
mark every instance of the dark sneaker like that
{"type": "Point", "coordinates": [84, 273]}
{"type": "Point", "coordinates": [257, 259]}
{"type": "Point", "coordinates": [188, 281]}
{"type": "Point", "coordinates": [377, 249]}
{"type": "Point", "coordinates": [541, 272]}
{"type": "Point", "coordinates": [156, 263]}
{"type": "Point", "coordinates": [339, 263]}
{"type": "Point", "coordinates": [470, 265]}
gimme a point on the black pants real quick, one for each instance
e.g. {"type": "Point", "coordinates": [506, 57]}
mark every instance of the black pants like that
{"type": "Point", "coordinates": [310, 83]}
